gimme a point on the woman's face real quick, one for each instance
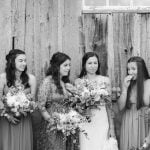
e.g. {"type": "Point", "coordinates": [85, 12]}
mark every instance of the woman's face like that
{"type": "Point", "coordinates": [20, 62]}
{"type": "Point", "coordinates": [91, 65]}
{"type": "Point", "coordinates": [65, 68]}
{"type": "Point", "coordinates": [132, 70]}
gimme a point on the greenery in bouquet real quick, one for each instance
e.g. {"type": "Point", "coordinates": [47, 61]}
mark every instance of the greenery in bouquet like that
{"type": "Point", "coordinates": [87, 95]}
{"type": "Point", "coordinates": [17, 103]}
{"type": "Point", "coordinates": [68, 123]}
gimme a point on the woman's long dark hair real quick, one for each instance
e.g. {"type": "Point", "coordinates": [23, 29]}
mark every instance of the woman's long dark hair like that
{"type": "Point", "coordinates": [142, 75]}
{"type": "Point", "coordinates": [54, 69]}
{"type": "Point", "coordinates": [84, 60]}
{"type": "Point", "coordinates": [11, 69]}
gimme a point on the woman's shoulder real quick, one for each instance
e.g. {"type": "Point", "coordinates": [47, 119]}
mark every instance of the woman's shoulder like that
{"type": "Point", "coordinates": [147, 84]}
{"type": "Point", "coordinates": [32, 78]}
{"type": "Point", "coordinates": [103, 78]}
{"type": "Point", "coordinates": [147, 81]}
{"type": "Point", "coordinates": [32, 82]}
{"type": "Point", "coordinates": [3, 77]}
{"type": "Point", "coordinates": [48, 80]}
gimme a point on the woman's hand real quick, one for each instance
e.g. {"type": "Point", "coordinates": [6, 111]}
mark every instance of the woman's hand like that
{"type": "Point", "coordinates": [127, 81]}
{"type": "Point", "coordinates": [70, 88]}
{"type": "Point", "coordinates": [146, 142]}
{"type": "Point", "coordinates": [12, 119]}
{"type": "Point", "coordinates": [111, 133]}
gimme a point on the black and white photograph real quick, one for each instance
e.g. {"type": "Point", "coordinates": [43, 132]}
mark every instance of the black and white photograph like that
{"type": "Point", "coordinates": [74, 74]}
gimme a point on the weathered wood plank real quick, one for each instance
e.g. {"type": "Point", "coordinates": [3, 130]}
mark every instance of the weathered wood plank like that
{"type": "Point", "coordinates": [148, 43]}
{"type": "Point", "coordinates": [110, 51]}
{"type": "Point", "coordinates": [45, 34]}
{"type": "Point", "coordinates": [18, 22]}
{"type": "Point", "coordinates": [60, 19]}
{"type": "Point", "coordinates": [136, 36]}
{"type": "Point", "coordinates": [143, 35]}
{"type": "Point", "coordinates": [145, 38]}
{"type": "Point", "coordinates": [5, 31]}
{"type": "Point", "coordinates": [29, 35]}
{"type": "Point", "coordinates": [100, 41]}
{"type": "Point", "coordinates": [70, 32]}
{"type": "Point", "coordinates": [89, 30]}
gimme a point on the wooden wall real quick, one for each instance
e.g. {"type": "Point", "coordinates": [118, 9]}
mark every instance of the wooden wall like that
{"type": "Point", "coordinates": [43, 27]}
{"type": "Point", "coordinates": [40, 28]}
{"type": "Point", "coordinates": [115, 37]}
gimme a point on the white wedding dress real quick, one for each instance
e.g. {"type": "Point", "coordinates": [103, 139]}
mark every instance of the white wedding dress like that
{"type": "Point", "coordinates": [97, 129]}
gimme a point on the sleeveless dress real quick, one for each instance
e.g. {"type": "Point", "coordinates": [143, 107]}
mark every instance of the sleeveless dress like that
{"type": "Point", "coordinates": [51, 101]}
{"type": "Point", "coordinates": [18, 136]}
{"type": "Point", "coordinates": [97, 129]}
{"type": "Point", "coordinates": [135, 126]}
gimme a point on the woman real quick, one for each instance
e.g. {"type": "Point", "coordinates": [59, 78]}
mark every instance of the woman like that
{"type": "Point", "coordinates": [134, 102]}
{"type": "Point", "coordinates": [101, 126]}
{"type": "Point", "coordinates": [51, 94]}
{"type": "Point", "coordinates": [16, 133]}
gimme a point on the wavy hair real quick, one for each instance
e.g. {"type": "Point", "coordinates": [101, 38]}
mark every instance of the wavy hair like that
{"type": "Point", "coordinates": [54, 69]}
{"type": "Point", "coordinates": [142, 75]}
{"type": "Point", "coordinates": [11, 69]}
{"type": "Point", "coordinates": [84, 60]}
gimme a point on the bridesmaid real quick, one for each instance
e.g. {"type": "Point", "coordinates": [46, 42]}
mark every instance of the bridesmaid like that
{"type": "Point", "coordinates": [134, 102]}
{"type": "Point", "coordinates": [16, 134]}
{"type": "Point", "coordinates": [51, 93]}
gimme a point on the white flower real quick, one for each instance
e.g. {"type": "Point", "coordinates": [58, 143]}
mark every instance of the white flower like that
{"type": "Point", "coordinates": [62, 118]}
{"type": "Point", "coordinates": [85, 93]}
{"type": "Point", "coordinates": [14, 110]}
{"type": "Point", "coordinates": [11, 100]}
{"type": "Point", "coordinates": [93, 92]}
{"type": "Point", "coordinates": [72, 113]}
{"type": "Point", "coordinates": [103, 92]}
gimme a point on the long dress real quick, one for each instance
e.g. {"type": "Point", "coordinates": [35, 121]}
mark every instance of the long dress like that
{"type": "Point", "coordinates": [16, 137]}
{"type": "Point", "coordinates": [97, 129]}
{"type": "Point", "coordinates": [51, 101]}
{"type": "Point", "coordinates": [135, 126]}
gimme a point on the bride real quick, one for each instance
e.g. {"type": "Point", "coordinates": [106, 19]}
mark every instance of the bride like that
{"type": "Point", "coordinates": [101, 126]}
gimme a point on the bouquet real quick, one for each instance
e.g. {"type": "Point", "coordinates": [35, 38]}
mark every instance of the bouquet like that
{"type": "Point", "coordinates": [68, 123]}
{"type": "Point", "coordinates": [17, 103]}
{"type": "Point", "coordinates": [87, 95]}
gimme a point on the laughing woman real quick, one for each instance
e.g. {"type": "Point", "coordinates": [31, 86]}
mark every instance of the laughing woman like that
{"type": "Point", "coordinates": [16, 133]}
{"type": "Point", "coordinates": [134, 102]}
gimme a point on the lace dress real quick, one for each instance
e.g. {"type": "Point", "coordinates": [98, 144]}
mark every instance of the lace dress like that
{"type": "Point", "coordinates": [51, 101]}
{"type": "Point", "coordinates": [16, 137]}
{"type": "Point", "coordinates": [97, 129]}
